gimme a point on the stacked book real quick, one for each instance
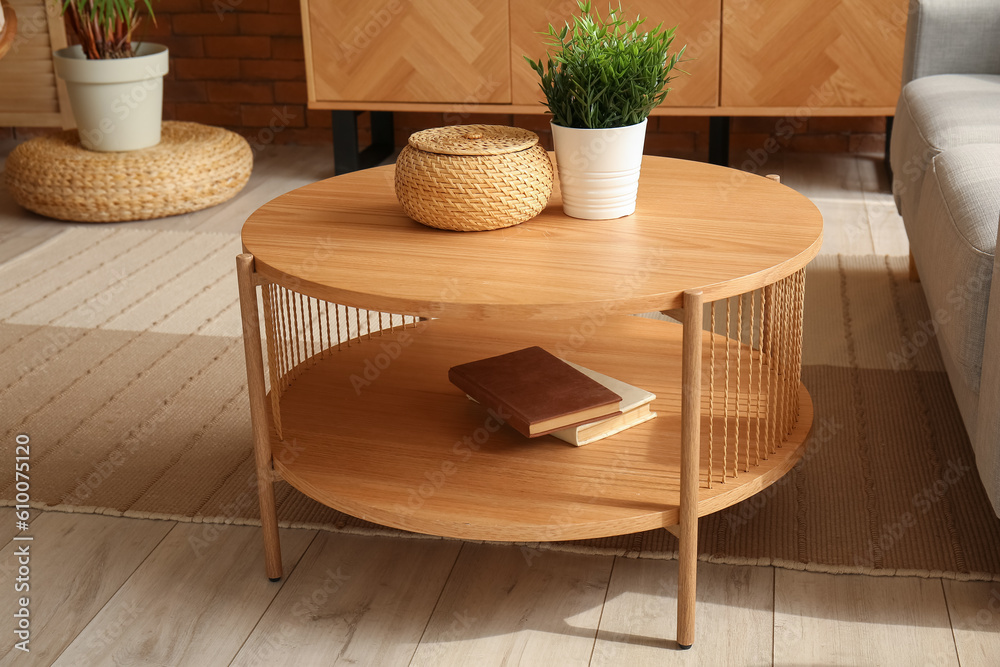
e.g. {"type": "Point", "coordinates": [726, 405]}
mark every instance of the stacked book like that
{"type": "Point", "coordinates": [538, 394]}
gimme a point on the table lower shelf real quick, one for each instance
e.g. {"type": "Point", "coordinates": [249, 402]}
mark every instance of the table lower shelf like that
{"type": "Point", "coordinates": [377, 431]}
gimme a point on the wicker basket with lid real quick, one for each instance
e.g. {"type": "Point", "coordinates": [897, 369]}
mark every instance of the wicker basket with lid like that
{"type": "Point", "coordinates": [473, 177]}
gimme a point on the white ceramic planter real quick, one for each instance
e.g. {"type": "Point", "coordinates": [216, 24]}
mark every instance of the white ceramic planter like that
{"type": "Point", "coordinates": [117, 103]}
{"type": "Point", "coordinates": [599, 169]}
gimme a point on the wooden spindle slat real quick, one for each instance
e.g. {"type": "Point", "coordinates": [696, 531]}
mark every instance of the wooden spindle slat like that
{"type": "Point", "coordinates": [284, 325]}
{"type": "Point", "coordinates": [340, 337]}
{"type": "Point", "coordinates": [785, 370]}
{"type": "Point", "coordinates": [772, 361]}
{"type": "Point", "coordinates": [760, 371]}
{"type": "Point", "coordinates": [739, 379]}
{"type": "Point", "coordinates": [725, 396]}
{"type": "Point", "coordinates": [800, 314]}
{"type": "Point", "coordinates": [312, 337]}
{"type": "Point", "coordinates": [289, 352]}
{"type": "Point", "coordinates": [711, 395]}
{"type": "Point", "coordinates": [300, 316]}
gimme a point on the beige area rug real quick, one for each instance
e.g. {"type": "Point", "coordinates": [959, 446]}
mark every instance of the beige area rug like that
{"type": "Point", "coordinates": [122, 360]}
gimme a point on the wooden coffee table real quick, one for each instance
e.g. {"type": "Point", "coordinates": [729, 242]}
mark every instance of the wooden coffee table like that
{"type": "Point", "coordinates": [364, 311]}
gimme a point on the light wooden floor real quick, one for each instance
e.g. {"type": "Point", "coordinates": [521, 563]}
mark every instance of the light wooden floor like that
{"type": "Point", "coordinates": [114, 591]}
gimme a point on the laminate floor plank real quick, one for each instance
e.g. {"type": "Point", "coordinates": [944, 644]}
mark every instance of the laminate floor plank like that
{"type": "Point", "coordinates": [887, 230]}
{"type": "Point", "coordinates": [194, 600]}
{"type": "Point", "coordinates": [874, 180]}
{"type": "Point", "coordinates": [974, 607]}
{"type": "Point", "coordinates": [888, 233]}
{"type": "Point", "coordinates": [8, 525]}
{"type": "Point", "coordinates": [22, 230]}
{"type": "Point", "coordinates": [734, 616]}
{"type": "Point", "coordinates": [826, 619]}
{"type": "Point", "coordinates": [77, 563]}
{"type": "Point", "coordinates": [504, 605]}
{"type": "Point", "coordinates": [846, 228]}
{"type": "Point", "coordinates": [353, 600]}
{"type": "Point", "coordinates": [831, 177]}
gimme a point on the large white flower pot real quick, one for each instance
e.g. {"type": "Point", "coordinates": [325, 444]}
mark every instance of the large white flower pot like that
{"type": "Point", "coordinates": [599, 169]}
{"type": "Point", "coordinates": [117, 103]}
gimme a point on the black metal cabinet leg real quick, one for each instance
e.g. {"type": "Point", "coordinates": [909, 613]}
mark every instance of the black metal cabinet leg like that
{"type": "Point", "coordinates": [346, 156]}
{"type": "Point", "coordinates": [718, 140]}
{"type": "Point", "coordinates": [383, 136]}
{"type": "Point", "coordinates": [888, 141]}
{"type": "Point", "coordinates": [345, 142]}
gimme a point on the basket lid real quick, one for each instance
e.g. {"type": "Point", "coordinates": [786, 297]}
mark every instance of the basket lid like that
{"type": "Point", "coordinates": [473, 140]}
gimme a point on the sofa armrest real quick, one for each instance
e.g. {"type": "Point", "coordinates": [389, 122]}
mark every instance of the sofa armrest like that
{"type": "Point", "coordinates": [951, 37]}
{"type": "Point", "coordinates": [986, 439]}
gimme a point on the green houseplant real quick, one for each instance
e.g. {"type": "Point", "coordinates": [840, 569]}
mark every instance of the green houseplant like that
{"type": "Point", "coordinates": [602, 78]}
{"type": "Point", "coordinates": [115, 84]}
{"type": "Point", "coordinates": [105, 27]}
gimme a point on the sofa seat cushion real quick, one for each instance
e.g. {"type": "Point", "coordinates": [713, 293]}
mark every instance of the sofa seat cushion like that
{"type": "Point", "coordinates": [953, 240]}
{"type": "Point", "coordinates": [936, 113]}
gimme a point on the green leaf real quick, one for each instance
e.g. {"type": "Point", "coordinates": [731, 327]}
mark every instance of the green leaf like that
{"type": "Point", "coordinates": [605, 71]}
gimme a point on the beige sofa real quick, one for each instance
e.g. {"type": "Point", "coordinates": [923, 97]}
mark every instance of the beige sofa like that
{"type": "Point", "coordinates": [945, 157]}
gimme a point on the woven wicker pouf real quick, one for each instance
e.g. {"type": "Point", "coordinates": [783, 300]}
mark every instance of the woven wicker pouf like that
{"type": "Point", "coordinates": [193, 167]}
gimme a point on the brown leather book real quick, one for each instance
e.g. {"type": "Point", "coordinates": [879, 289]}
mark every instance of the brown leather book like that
{"type": "Point", "coordinates": [534, 391]}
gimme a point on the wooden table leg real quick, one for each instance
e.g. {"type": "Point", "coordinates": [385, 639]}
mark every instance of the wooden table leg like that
{"type": "Point", "coordinates": [690, 446]}
{"type": "Point", "coordinates": [258, 415]}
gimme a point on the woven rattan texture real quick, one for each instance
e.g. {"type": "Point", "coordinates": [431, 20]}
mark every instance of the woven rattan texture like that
{"type": "Point", "coordinates": [473, 192]}
{"type": "Point", "coordinates": [193, 167]}
{"type": "Point", "coordinates": [473, 139]}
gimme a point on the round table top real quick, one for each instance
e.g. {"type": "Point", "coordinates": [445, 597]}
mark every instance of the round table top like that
{"type": "Point", "coordinates": [696, 226]}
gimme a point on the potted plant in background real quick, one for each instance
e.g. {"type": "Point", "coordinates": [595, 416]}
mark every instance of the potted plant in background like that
{"type": "Point", "coordinates": [115, 85]}
{"type": "Point", "coordinates": [602, 79]}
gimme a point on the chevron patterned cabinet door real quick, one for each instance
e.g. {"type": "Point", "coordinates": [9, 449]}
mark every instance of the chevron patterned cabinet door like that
{"type": "Point", "coordinates": [698, 27]}
{"type": "Point", "coordinates": [429, 51]}
{"type": "Point", "coordinates": [812, 53]}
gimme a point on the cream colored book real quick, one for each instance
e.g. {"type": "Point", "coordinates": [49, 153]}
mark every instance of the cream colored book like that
{"type": "Point", "coordinates": [635, 406]}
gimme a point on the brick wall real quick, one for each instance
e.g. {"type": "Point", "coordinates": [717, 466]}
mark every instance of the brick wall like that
{"type": "Point", "coordinates": [239, 64]}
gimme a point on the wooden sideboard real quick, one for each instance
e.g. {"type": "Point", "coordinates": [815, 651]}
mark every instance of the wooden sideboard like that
{"type": "Point", "coordinates": [751, 57]}
{"type": "Point", "coordinates": [792, 58]}
{"type": "Point", "coordinates": [841, 58]}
